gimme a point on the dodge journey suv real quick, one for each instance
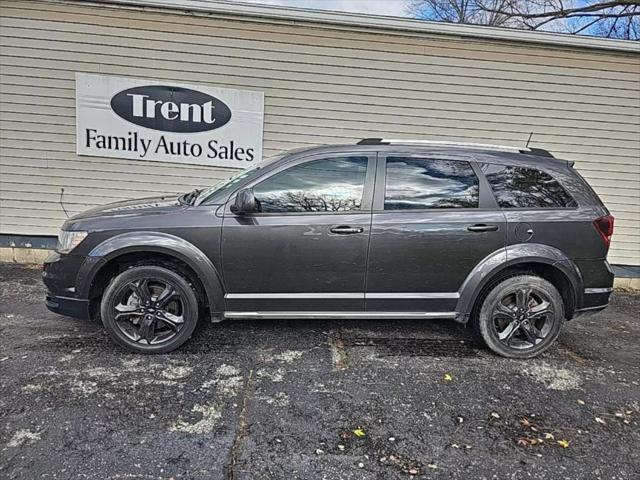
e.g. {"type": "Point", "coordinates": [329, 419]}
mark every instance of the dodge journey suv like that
{"type": "Point", "coordinates": [510, 241]}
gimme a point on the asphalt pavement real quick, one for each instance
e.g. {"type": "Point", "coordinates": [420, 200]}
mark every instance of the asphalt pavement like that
{"type": "Point", "coordinates": [315, 399]}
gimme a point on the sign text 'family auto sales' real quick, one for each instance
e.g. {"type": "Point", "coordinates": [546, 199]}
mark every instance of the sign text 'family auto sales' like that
{"type": "Point", "coordinates": [165, 121]}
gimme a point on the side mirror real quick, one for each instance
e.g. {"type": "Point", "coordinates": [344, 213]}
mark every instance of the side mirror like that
{"type": "Point", "coordinates": [245, 202]}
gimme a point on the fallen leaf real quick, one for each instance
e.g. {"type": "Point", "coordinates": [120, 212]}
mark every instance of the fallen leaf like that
{"type": "Point", "coordinates": [549, 436]}
{"type": "Point", "coordinates": [563, 443]}
{"type": "Point", "coordinates": [526, 441]}
{"type": "Point", "coordinates": [524, 421]}
{"type": "Point", "coordinates": [359, 432]}
{"type": "Point", "coordinates": [599, 420]}
{"type": "Point", "coordinates": [448, 377]}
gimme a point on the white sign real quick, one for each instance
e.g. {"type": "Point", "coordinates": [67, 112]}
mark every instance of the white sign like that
{"type": "Point", "coordinates": [169, 122]}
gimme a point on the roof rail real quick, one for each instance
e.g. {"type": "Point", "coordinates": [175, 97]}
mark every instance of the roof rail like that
{"type": "Point", "coordinates": [478, 146]}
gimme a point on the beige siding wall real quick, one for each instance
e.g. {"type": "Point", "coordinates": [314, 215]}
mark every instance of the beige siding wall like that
{"type": "Point", "coordinates": [322, 84]}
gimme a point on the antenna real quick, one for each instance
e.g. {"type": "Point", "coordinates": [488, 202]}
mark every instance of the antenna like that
{"type": "Point", "coordinates": [62, 204]}
{"type": "Point", "coordinates": [530, 135]}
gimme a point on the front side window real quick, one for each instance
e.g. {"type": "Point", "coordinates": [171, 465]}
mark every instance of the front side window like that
{"type": "Point", "coordinates": [520, 187]}
{"type": "Point", "coordinates": [327, 185]}
{"type": "Point", "coordinates": [419, 183]}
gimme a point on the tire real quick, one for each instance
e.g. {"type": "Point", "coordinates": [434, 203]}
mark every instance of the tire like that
{"type": "Point", "coordinates": [520, 317]}
{"type": "Point", "coordinates": [149, 309]}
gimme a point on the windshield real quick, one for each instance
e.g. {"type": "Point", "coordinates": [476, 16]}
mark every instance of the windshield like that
{"type": "Point", "coordinates": [229, 183]}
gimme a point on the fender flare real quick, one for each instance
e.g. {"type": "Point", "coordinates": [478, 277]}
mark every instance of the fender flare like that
{"type": "Point", "coordinates": [507, 257]}
{"type": "Point", "coordinates": [165, 243]}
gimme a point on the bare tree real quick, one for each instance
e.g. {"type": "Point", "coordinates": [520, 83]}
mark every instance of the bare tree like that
{"type": "Point", "coordinates": [611, 19]}
{"type": "Point", "coordinates": [461, 11]}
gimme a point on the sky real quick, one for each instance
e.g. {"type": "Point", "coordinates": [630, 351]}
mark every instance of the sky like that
{"type": "Point", "coordinates": [396, 8]}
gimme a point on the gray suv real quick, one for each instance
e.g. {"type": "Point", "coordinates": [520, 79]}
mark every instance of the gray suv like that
{"type": "Point", "coordinates": [510, 241]}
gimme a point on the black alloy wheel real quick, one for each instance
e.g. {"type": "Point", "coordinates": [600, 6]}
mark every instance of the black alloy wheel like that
{"type": "Point", "coordinates": [524, 318]}
{"type": "Point", "coordinates": [520, 317]}
{"type": "Point", "coordinates": [149, 309]}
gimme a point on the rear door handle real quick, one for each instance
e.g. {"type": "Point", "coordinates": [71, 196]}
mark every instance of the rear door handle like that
{"type": "Point", "coordinates": [481, 227]}
{"type": "Point", "coordinates": [346, 230]}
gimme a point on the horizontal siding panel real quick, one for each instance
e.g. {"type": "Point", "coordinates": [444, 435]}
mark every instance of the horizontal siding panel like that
{"type": "Point", "coordinates": [327, 134]}
{"type": "Point", "coordinates": [54, 96]}
{"type": "Point", "coordinates": [277, 143]}
{"type": "Point", "coordinates": [404, 125]}
{"type": "Point", "coordinates": [107, 165]}
{"type": "Point", "coordinates": [389, 47]}
{"type": "Point", "coordinates": [319, 83]}
{"type": "Point", "coordinates": [382, 88]}
{"type": "Point", "coordinates": [355, 112]}
{"type": "Point", "coordinates": [228, 54]}
{"type": "Point", "coordinates": [90, 196]}
{"type": "Point", "coordinates": [353, 129]}
{"type": "Point", "coordinates": [147, 178]}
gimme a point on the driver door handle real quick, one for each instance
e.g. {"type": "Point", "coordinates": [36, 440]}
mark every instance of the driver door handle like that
{"type": "Point", "coordinates": [346, 230]}
{"type": "Point", "coordinates": [481, 227]}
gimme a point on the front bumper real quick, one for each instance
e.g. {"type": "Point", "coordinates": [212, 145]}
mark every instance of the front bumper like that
{"type": "Point", "coordinates": [59, 274]}
{"type": "Point", "coordinates": [68, 306]}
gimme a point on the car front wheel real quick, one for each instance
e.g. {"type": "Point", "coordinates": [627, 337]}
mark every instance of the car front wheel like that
{"type": "Point", "coordinates": [149, 309]}
{"type": "Point", "coordinates": [520, 317]}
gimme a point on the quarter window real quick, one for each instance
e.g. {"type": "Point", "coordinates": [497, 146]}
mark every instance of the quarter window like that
{"type": "Point", "coordinates": [419, 183]}
{"type": "Point", "coordinates": [520, 187]}
{"type": "Point", "coordinates": [328, 185]}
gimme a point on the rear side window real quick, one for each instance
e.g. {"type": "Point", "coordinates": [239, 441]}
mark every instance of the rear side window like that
{"type": "Point", "coordinates": [520, 187]}
{"type": "Point", "coordinates": [421, 183]}
{"type": "Point", "coordinates": [328, 185]}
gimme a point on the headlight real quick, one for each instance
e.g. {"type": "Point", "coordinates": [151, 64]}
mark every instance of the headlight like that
{"type": "Point", "coordinates": [68, 240]}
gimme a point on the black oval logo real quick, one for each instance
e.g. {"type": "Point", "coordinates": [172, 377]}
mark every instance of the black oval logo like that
{"type": "Point", "coordinates": [171, 109]}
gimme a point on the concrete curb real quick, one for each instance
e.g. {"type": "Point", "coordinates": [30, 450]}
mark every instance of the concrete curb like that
{"type": "Point", "coordinates": [23, 255]}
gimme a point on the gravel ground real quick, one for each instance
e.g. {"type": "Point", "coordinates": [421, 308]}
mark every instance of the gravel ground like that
{"type": "Point", "coordinates": [314, 400]}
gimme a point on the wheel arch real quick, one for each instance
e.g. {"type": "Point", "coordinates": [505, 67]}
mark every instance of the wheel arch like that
{"type": "Point", "coordinates": [150, 245]}
{"type": "Point", "coordinates": [543, 260]}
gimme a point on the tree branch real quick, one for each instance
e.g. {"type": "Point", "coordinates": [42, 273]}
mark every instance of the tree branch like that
{"type": "Point", "coordinates": [564, 13]}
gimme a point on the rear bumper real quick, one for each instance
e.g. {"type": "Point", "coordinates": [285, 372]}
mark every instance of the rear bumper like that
{"type": "Point", "coordinates": [598, 286]}
{"type": "Point", "coordinates": [585, 312]}
{"type": "Point", "coordinates": [71, 307]}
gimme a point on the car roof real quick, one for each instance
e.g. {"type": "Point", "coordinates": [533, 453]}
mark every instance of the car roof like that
{"type": "Point", "coordinates": [478, 153]}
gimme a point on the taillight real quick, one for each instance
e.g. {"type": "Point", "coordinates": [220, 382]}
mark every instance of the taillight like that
{"type": "Point", "coordinates": [604, 226]}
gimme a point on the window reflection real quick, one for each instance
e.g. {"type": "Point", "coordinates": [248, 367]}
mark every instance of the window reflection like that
{"type": "Point", "coordinates": [520, 187]}
{"type": "Point", "coordinates": [328, 185]}
{"type": "Point", "coordinates": [415, 183]}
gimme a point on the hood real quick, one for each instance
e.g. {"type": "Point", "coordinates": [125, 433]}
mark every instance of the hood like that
{"type": "Point", "coordinates": [151, 205]}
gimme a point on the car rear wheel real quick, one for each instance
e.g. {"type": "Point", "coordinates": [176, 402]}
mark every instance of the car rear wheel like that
{"type": "Point", "coordinates": [520, 317]}
{"type": "Point", "coordinates": [149, 309]}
